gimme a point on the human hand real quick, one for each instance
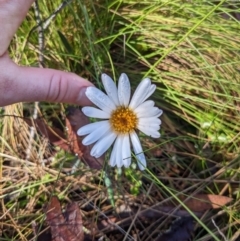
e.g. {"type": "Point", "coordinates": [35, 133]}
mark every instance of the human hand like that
{"type": "Point", "coordinates": [20, 84]}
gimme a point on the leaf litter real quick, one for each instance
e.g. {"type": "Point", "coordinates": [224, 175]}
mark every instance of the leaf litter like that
{"type": "Point", "coordinates": [69, 141]}
{"type": "Point", "coordinates": [181, 229]}
{"type": "Point", "coordinates": [68, 225]}
{"type": "Point", "coordinates": [110, 223]}
{"type": "Point", "coordinates": [65, 226]}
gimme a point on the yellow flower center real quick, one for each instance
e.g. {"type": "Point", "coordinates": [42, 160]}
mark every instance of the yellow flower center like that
{"type": "Point", "coordinates": [123, 120]}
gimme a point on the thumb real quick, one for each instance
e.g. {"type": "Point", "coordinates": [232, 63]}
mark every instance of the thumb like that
{"type": "Point", "coordinates": [20, 84]}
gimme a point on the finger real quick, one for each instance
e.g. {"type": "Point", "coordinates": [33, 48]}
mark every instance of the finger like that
{"type": "Point", "coordinates": [12, 14]}
{"type": "Point", "coordinates": [24, 84]}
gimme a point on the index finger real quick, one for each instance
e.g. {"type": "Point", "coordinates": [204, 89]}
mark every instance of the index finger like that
{"type": "Point", "coordinates": [12, 13]}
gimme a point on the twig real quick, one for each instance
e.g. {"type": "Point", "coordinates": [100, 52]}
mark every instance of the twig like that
{"type": "Point", "coordinates": [48, 20]}
{"type": "Point", "coordinates": [45, 23]}
{"type": "Point", "coordinates": [41, 65]}
{"type": "Point", "coordinates": [40, 30]}
{"type": "Point", "coordinates": [220, 232]}
{"type": "Point", "coordinates": [208, 180]}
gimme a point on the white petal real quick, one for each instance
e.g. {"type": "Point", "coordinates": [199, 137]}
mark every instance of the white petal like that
{"type": "Point", "coordinates": [160, 113]}
{"type": "Point", "coordinates": [100, 99]}
{"type": "Point", "coordinates": [146, 94]}
{"type": "Point", "coordinates": [110, 88]}
{"type": "Point", "coordinates": [113, 157]}
{"type": "Point", "coordinates": [144, 106]}
{"type": "Point", "coordinates": [116, 155]}
{"type": "Point", "coordinates": [124, 90]}
{"type": "Point", "coordinates": [95, 113]}
{"type": "Point", "coordinates": [155, 134]}
{"type": "Point", "coordinates": [149, 131]}
{"type": "Point", "coordinates": [137, 147]}
{"type": "Point", "coordinates": [96, 134]}
{"type": "Point", "coordinates": [149, 92]}
{"type": "Point", "coordinates": [154, 111]}
{"type": "Point", "coordinates": [149, 120]}
{"type": "Point", "coordinates": [119, 159]}
{"type": "Point", "coordinates": [126, 151]}
{"type": "Point", "coordinates": [103, 144]}
{"type": "Point", "coordinates": [91, 127]}
{"type": "Point", "coordinates": [139, 93]}
{"type": "Point", "coordinates": [154, 127]}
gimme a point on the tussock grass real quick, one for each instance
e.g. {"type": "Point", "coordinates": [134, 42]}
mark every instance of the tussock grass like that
{"type": "Point", "coordinates": [191, 52]}
{"type": "Point", "coordinates": [192, 57]}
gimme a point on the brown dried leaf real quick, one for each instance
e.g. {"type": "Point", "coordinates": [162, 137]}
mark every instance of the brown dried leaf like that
{"type": "Point", "coordinates": [202, 202]}
{"type": "Point", "coordinates": [74, 121]}
{"type": "Point", "coordinates": [74, 220]}
{"type": "Point", "coordinates": [64, 229]}
{"type": "Point", "coordinates": [73, 139]}
{"type": "Point", "coordinates": [197, 203]}
{"type": "Point", "coordinates": [72, 143]}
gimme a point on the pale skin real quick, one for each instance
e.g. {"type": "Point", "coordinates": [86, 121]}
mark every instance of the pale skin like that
{"type": "Point", "coordinates": [26, 84]}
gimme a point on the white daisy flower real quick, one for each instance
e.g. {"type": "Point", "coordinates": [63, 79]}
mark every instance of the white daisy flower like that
{"type": "Point", "coordinates": [121, 117]}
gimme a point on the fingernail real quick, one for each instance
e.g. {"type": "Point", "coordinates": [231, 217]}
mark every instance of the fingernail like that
{"type": "Point", "coordinates": [82, 98]}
